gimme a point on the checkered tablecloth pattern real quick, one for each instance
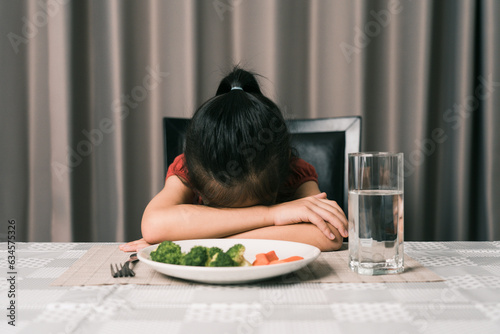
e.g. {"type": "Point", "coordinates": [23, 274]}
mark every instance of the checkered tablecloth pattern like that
{"type": "Point", "coordinates": [467, 301]}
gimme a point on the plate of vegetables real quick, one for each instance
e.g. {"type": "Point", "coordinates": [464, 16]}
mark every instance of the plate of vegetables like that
{"type": "Point", "coordinates": [227, 261]}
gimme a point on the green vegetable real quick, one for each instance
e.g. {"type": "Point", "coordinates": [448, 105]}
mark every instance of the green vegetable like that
{"type": "Point", "coordinates": [237, 254]}
{"type": "Point", "coordinates": [212, 252]}
{"type": "Point", "coordinates": [167, 252]}
{"type": "Point", "coordinates": [221, 259]}
{"type": "Point", "coordinates": [212, 255]}
{"type": "Point", "coordinates": [197, 256]}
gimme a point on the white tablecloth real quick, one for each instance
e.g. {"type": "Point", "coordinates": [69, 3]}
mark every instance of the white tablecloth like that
{"type": "Point", "coordinates": [467, 302]}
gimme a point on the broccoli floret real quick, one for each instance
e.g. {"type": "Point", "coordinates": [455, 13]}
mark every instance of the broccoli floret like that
{"type": "Point", "coordinates": [236, 253]}
{"type": "Point", "coordinates": [221, 259]}
{"type": "Point", "coordinates": [167, 252]}
{"type": "Point", "coordinates": [197, 256]}
{"type": "Point", "coordinates": [213, 250]}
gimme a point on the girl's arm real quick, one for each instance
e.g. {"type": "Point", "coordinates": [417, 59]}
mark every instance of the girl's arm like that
{"type": "Point", "coordinates": [169, 217]}
{"type": "Point", "coordinates": [306, 233]}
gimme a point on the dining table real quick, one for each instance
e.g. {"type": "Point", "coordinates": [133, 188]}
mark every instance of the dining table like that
{"type": "Point", "coordinates": [463, 296]}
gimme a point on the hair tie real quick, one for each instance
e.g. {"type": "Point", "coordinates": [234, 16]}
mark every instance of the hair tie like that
{"type": "Point", "coordinates": [236, 87]}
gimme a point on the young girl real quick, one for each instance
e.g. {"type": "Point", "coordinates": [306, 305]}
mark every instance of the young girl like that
{"type": "Point", "coordinates": [239, 178]}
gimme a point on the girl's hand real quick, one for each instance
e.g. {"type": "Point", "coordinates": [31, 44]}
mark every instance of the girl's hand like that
{"type": "Point", "coordinates": [134, 246]}
{"type": "Point", "coordinates": [316, 209]}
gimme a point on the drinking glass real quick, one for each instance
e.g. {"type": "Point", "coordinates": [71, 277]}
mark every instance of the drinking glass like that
{"type": "Point", "coordinates": [375, 209]}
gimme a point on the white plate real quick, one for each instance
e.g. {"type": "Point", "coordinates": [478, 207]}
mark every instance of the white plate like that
{"type": "Point", "coordinates": [235, 275]}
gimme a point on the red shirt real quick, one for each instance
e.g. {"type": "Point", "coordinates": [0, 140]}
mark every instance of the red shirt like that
{"type": "Point", "coordinates": [300, 172]}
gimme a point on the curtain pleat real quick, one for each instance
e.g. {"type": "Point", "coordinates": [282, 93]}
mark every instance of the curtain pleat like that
{"type": "Point", "coordinates": [80, 149]}
{"type": "Point", "coordinates": [487, 173]}
{"type": "Point", "coordinates": [59, 83]}
{"type": "Point", "coordinates": [14, 120]}
{"type": "Point", "coordinates": [84, 86]}
{"type": "Point", "coordinates": [38, 131]}
{"type": "Point", "coordinates": [454, 83]}
{"type": "Point", "coordinates": [106, 201]}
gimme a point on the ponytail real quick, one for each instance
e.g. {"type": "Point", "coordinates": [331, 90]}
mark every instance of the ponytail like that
{"type": "Point", "coordinates": [239, 78]}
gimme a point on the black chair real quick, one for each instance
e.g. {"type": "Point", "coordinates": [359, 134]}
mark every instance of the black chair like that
{"type": "Point", "coordinates": [174, 135]}
{"type": "Point", "coordinates": [324, 143]}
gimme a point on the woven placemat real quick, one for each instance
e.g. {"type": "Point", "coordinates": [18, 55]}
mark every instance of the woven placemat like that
{"type": "Point", "coordinates": [93, 268]}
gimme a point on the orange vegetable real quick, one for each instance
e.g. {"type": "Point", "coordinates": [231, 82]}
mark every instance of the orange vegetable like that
{"type": "Point", "coordinates": [260, 260]}
{"type": "Point", "coordinates": [271, 256]}
{"type": "Point", "coordinates": [263, 259]}
{"type": "Point", "coordinates": [293, 258]}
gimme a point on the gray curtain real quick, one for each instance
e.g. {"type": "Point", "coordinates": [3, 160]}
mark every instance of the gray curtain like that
{"type": "Point", "coordinates": [84, 86]}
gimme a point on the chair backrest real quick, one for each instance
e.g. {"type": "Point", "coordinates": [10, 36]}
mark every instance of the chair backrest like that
{"type": "Point", "coordinates": [174, 136]}
{"type": "Point", "coordinates": [324, 143]}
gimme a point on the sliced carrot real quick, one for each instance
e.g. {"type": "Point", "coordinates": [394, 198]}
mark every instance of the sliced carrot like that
{"type": "Point", "coordinates": [293, 258]}
{"type": "Point", "coordinates": [263, 259]}
{"type": "Point", "coordinates": [260, 260]}
{"type": "Point", "coordinates": [271, 256]}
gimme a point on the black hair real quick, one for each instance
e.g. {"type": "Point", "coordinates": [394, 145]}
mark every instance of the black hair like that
{"type": "Point", "coordinates": [237, 144]}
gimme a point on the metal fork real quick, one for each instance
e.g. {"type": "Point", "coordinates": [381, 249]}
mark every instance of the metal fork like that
{"type": "Point", "coordinates": [124, 270]}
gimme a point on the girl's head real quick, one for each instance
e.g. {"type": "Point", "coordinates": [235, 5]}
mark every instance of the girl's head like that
{"type": "Point", "coordinates": [237, 145]}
